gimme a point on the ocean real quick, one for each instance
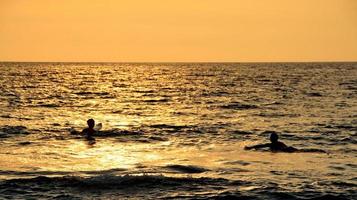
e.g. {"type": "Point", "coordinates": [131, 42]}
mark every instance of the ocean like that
{"type": "Point", "coordinates": [177, 130]}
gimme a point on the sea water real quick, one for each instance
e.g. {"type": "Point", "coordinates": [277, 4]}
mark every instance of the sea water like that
{"type": "Point", "coordinates": [177, 130]}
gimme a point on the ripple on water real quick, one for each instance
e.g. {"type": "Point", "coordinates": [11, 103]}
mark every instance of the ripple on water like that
{"type": "Point", "coordinates": [187, 168]}
{"type": "Point", "coordinates": [239, 106]}
{"type": "Point", "coordinates": [7, 131]}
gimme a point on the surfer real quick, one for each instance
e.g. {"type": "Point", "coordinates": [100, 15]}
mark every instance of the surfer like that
{"type": "Point", "coordinates": [277, 146]}
{"type": "Point", "coordinates": [89, 132]}
{"type": "Point", "coordinates": [274, 146]}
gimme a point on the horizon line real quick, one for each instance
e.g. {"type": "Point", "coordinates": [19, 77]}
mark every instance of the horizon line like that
{"type": "Point", "coordinates": [332, 61]}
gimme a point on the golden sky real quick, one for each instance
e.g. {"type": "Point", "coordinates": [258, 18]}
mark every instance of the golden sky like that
{"type": "Point", "coordinates": [178, 30]}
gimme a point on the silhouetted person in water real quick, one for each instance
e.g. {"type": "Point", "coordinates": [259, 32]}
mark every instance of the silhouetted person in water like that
{"type": "Point", "coordinates": [274, 146]}
{"type": "Point", "coordinates": [88, 132]}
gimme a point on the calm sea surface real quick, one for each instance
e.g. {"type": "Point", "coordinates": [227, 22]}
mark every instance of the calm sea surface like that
{"type": "Point", "coordinates": [177, 130]}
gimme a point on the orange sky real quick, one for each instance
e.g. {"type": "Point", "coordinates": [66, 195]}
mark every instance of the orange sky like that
{"type": "Point", "coordinates": [178, 30]}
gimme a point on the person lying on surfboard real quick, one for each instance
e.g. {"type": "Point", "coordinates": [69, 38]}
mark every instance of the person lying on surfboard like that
{"type": "Point", "coordinates": [277, 146]}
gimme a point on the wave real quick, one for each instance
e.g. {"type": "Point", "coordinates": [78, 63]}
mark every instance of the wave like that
{"type": "Point", "coordinates": [48, 105]}
{"type": "Point", "coordinates": [162, 100]}
{"type": "Point", "coordinates": [109, 133]}
{"type": "Point", "coordinates": [241, 132]}
{"type": "Point", "coordinates": [168, 126]}
{"type": "Point", "coordinates": [239, 106]}
{"type": "Point", "coordinates": [278, 115]}
{"type": "Point", "coordinates": [6, 131]}
{"type": "Point", "coordinates": [313, 94]}
{"type": "Point", "coordinates": [187, 169]}
{"type": "Point", "coordinates": [58, 173]}
{"type": "Point", "coordinates": [92, 93]}
{"type": "Point", "coordinates": [109, 181]}
{"type": "Point", "coordinates": [160, 187]}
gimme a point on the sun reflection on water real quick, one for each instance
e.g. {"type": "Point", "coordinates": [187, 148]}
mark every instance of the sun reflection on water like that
{"type": "Point", "coordinates": [193, 116]}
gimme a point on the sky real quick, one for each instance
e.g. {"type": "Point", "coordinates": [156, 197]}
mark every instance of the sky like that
{"type": "Point", "coordinates": [178, 30]}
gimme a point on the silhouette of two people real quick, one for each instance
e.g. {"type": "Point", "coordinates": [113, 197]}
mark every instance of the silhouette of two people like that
{"type": "Point", "coordinates": [275, 145]}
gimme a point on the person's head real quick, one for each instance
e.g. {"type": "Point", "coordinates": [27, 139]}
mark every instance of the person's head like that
{"type": "Point", "coordinates": [90, 123]}
{"type": "Point", "coordinates": [274, 137]}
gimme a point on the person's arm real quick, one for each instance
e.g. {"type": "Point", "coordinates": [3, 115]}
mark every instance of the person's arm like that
{"type": "Point", "coordinates": [84, 132]}
{"type": "Point", "coordinates": [258, 146]}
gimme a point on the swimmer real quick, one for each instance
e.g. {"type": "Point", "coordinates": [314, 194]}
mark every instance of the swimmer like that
{"type": "Point", "coordinates": [274, 146]}
{"type": "Point", "coordinates": [277, 146]}
{"type": "Point", "coordinates": [88, 132]}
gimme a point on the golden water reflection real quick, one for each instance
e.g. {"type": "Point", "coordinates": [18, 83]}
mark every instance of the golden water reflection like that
{"type": "Point", "coordinates": [228, 161]}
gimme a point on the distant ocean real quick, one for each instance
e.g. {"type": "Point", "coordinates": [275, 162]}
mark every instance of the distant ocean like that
{"type": "Point", "coordinates": [177, 130]}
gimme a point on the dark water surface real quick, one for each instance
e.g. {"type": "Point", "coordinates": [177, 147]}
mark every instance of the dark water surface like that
{"type": "Point", "coordinates": [177, 130]}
